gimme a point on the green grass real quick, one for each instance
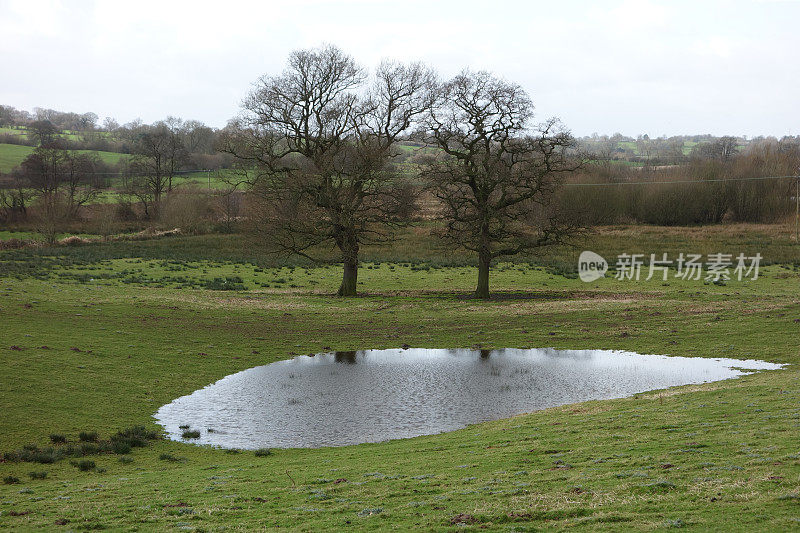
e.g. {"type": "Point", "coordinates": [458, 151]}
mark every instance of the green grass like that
{"type": "Point", "coordinates": [11, 155]}
{"type": "Point", "coordinates": [102, 355]}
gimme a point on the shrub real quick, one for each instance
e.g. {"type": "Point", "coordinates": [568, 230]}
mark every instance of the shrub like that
{"type": "Point", "coordinates": [191, 434]}
{"type": "Point", "coordinates": [120, 447]}
{"type": "Point", "coordinates": [42, 474]}
{"type": "Point", "coordinates": [169, 457]}
{"type": "Point", "coordinates": [57, 438]}
{"type": "Point", "coordinates": [88, 448]}
{"type": "Point", "coordinates": [190, 211]}
{"type": "Point", "coordinates": [135, 436]}
{"type": "Point", "coordinates": [10, 480]}
{"type": "Point", "coordinates": [124, 212]}
{"type": "Point", "coordinates": [262, 452]}
{"type": "Point", "coordinates": [84, 465]}
{"type": "Point", "coordinates": [87, 436]}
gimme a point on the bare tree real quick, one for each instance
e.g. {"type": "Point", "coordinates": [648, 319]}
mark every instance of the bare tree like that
{"type": "Point", "coordinates": [14, 197]}
{"type": "Point", "coordinates": [43, 132]}
{"type": "Point", "coordinates": [315, 143]}
{"type": "Point", "coordinates": [63, 182]}
{"type": "Point", "coordinates": [158, 156]}
{"type": "Point", "coordinates": [494, 182]}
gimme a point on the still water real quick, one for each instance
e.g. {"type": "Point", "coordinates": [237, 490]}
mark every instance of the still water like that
{"type": "Point", "coordinates": [341, 398]}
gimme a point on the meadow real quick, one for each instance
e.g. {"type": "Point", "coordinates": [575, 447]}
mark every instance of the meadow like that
{"type": "Point", "coordinates": [96, 337]}
{"type": "Point", "coordinates": [12, 155]}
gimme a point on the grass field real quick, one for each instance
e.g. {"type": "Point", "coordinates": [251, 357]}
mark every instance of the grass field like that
{"type": "Point", "coordinates": [96, 338]}
{"type": "Point", "coordinates": [11, 155]}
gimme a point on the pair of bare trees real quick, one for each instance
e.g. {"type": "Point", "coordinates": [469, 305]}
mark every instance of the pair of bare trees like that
{"type": "Point", "coordinates": [315, 146]}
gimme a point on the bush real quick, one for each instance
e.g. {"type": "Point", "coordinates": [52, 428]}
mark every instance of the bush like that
{"type": "Point", "coordinates": [84, 465]}
{"type": "Point", "coordinates": [262, 452]}
{"type": "Point", "coordinates": [120, 447]}
{"type": "Point", "coordinates": [38, 474]}
{"type": "Point", "coordinates": [89, 448]}
{"type": "Point", "coordinates": [191, 434]}
{"type": "Point", "coordinates": [124, 212]}
{"type": "Point", "coordinates": [135, 436]}
{"type": "Point", "coordinates": [190, 211]}
{"type": "Point", "coordinates": [10, 480]}
{"type": "Point", "coordinates": [87, 436]}
{"type": "Point", "coordinates": [57, 438]}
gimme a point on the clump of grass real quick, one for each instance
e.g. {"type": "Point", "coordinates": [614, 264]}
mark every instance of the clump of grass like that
{"type": "Point", "coordinates": [135, 436]}
{"type": "Point", "coordinates": [120, 447]}
{"type": "Point", "coordinates": [10, 480]}
{"type": "Point", "coordinates": [57, 438]}
{"type": "Point", "coordinates": [262, 452]}
{"type": "Point", "coordinates": [120, 443]}
{"type": "Point", "coordinates": [184, 426]}
{"type": "Point", "coordinates": [84, 465]}
{"type": "Point", "coordinates": [169, 457]}
{"type": "Point", "coordinates": [42, 474]}
{"type": "Point", "coordinates": [30, 453]}
{"type": "Point", "coordinates": [88, 448]}
{"type": "Point", "coordinates": [88, 436]}
{"type": "Point", "coordinates": [190, 434]}
{"type": "Point", "coordinates": [126, 459]}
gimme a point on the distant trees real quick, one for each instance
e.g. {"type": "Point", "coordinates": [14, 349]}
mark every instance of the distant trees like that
{"type": "Point", "coordinates": [494, 180]}
{"type": "Point", "coordinates": [7, 115]}
{"type": "Point", "coordinates": [158, 154]}
{"type": "Point", "coordinates": [314, 144]}
{"type": "Point", "coordinates": [43, 132]}
{"type": "Point", "coordinates": [14, 198]}
{"type": "Point", "coordinates": [63, 181]}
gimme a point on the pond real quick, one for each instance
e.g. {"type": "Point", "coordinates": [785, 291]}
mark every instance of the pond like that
{"type": "Point", "coordinates": [342, 398]}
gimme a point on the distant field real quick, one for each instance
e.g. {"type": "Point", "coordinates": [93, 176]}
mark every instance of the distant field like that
{"type": "Point", "coordinates": [11, 155]}
{"type": "Point", "coordinates": [65, 134]}
{"type": "Point", "coordinates": [631, 145]}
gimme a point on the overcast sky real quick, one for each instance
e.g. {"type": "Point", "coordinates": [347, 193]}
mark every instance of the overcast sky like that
{"type": "Point", "coordinates": [638, 66]}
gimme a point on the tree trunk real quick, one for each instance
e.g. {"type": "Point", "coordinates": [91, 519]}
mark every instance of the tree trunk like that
{"type": "Point", "coordinates": [484, 261]}
{"type": "Point", "coordinates": [348, 244]}
{"type": "Point", "coordinates": [349, 278]}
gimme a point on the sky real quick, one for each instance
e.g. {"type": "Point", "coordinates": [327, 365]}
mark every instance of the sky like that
{"type": "Point", "coordinates": [604, 66]}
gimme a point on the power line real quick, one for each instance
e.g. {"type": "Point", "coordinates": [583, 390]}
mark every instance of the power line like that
{"type": "Point", "coordinates": [721, 180]}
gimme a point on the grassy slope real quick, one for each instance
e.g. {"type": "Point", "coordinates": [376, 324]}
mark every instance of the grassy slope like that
{"type": "Point", "coordinates": [732, 445]}
{"type": "Point", "coordinates": [11, 155]}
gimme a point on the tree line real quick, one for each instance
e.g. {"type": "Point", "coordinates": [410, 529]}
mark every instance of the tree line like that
{"type": "Point", "coordinates": [317, 160]}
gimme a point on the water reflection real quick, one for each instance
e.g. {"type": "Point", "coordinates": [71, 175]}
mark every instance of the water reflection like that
{"type": "Point", "coordinates": [340, 398]}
